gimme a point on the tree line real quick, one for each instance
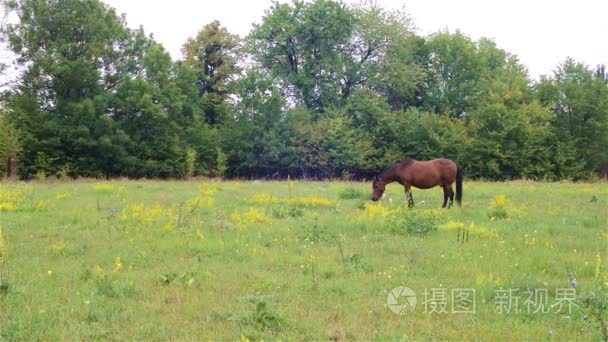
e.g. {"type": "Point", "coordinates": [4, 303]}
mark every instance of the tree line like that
{"type": "Point", "coordinates": [317, 89]}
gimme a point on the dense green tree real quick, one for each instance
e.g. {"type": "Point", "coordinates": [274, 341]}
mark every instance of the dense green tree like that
{"type": "Point", "coordinates": [323, 51]}
{"type": "Point", "coordinates": [6, 8]}
{"type": "Point", "coordinates": [75, 53]}
{"type": "Point", "coordinates": [213, 54]}
{"type": "Point", "coordinates": [511, 136]}
{"type": "Point", "coordinates": [600, 72]}
{"type": "Point", "coordinates": [254, 139]}
{"type": "Point", "coordinates": [579, 101]}
{"type": "Point", "coordinates": [456, 67]}
{"type": "Point", "coordinates": [301, 44]}
{"type": "Point", "coordinates": [327, 147]}
{"type": "Point", "coordinates": [10, 145]}
{"type": "Point", "coordinates": [320, 89]}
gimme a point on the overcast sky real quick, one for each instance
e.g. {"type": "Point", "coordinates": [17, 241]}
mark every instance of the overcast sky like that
{"type": "Point", "coordinates": [541, 32]}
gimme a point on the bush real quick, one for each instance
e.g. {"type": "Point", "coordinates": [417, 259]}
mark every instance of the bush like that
{"type": "Point", "coordinates": [414, 222]}
{"type": "Point", "coordinates": [280, 212]}
{"type": "Point", "coordinates": [350, 193]}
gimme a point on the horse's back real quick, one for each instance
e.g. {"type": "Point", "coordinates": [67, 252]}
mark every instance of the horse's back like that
{"type": "Point", "coordinates": [430, 173]}
{"type": "Point", "coordinates": [443, 161]}
{"type": "Point", "coordinates": [447, 168]}
{"type": "Point", "coordinates": [438, 163]}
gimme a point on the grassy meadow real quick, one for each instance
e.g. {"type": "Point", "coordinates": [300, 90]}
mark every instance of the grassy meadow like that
{"type": "Point", "coordinates": [239, 260]}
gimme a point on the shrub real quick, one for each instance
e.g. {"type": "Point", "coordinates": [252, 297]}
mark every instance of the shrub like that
{"type": "Point", "coordinates": [350, 193]}
{"type": "Point", "coordinates": [371, 212]}
{"type": "Point", "coordinates": [287, 211]}
{"type": "Point", "coordinates": [415, 222]}
{"type": "Point", "coordinates": [498, 209]}
{"type": "Point", "coordinates": [249, 217]}
{"type": "Point", "coordinates": [3, 263]}
{"type": "Point", "coordinates": [104, 188]}
{"type": "Point", "coordinates": [263, 317]}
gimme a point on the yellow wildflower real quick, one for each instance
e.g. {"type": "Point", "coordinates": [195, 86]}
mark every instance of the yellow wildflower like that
{"type": "Point", "coordinates": [58, 248]}
{"type": "Point", "coordinates": [371, 212]}
{"type": "Point", "coordinates": [311, 201]}
{"type": "Point", "coordinates": [100, 272]}
{"type": "Point", "coordinates": [63, 196]}
{"type": "Point", "coordinates": [139, 214]}
{"type": "Point", "coordinates": [7, 206]}
{"type": "Point", "coordinates": [198, 202]}
{"type": "Point", "coordinates": [103, 188]}
{"type": "Point", "coordinates": [3, 252]}
{"type": "Point", "coordinates": [472, 229]}
{"type": "Point", "coordinates": [118, 264]}
{"type": "Point", "coordinates": [41, 205]}
{"type": "Point", "coordinates": [169, 228]}
{"type": "Point", "coordinates": [251, 216]}
{"type": "Point", "coordinates": [264, 199]}
{"type": "Point", "coordinates": [200, 234]}
{"type": "Point", "coordinates": [209, 190]}
{"type": "Point", "coordinates": [500, 201]}
{"type": "Point", "coordinates": [598, 266]}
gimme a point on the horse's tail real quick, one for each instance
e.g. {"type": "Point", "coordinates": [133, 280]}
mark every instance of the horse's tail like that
{"type": "Point", "coordinates": [458, 185]}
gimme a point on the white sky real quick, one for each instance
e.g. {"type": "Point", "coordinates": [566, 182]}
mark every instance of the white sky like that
{"type": "Point", "coordinates": [541, 32]}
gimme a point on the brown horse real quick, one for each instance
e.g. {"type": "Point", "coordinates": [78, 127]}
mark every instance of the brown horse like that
{"type": "Point", "coordinates": [422, 175]}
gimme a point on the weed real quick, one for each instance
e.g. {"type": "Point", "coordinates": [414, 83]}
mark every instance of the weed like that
{"type": "Point", "coordinates": [285, 211]}
{"type": "Point", "coordinates": [372, 212]}
{"type": "Point", "coordinates": [3, 263]}
{"type": "Point", "coordinates": [596, 304]}
{"type": "Point", "coordinates": [415, 222]}
{"type": "Point", "coordinates": [314, 234]}
{"type": "Point", "coordinates": [358, 263]}
{"type": "Point", "coordinates": [312, 202]}
{"type": "Point", "coordinates": [498, 208]}
{"type": "Point", "coordinates": [249, 217]}
{"type": "Point", "coordinates": [58, 248]}
{"type": "Point", "coordinates": [262, 317]}
{"type": "Point", "coordinates": [463, 231]}
{"type": "Point", "coordinates": [186, 278]}
{"type": "Point", "coordinates": [351, 192]}
{"type": "Point", "coordinates": [103, 188]}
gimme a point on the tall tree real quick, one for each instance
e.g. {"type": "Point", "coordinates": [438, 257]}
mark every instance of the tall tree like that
{"type": "Point", "coordinates": [301, 44]}
{"type": "Point", "coordinates": [6, 8]}
{"type": "Point", "coordinates": [600, 72]}
{"type": "Point", "coordinates": [455, 67]}
{"type": "Point", "coordinates": [580, 104]}
{"type": "Point", "coordinates": [213, 54]}
{"type": "Point", "coordinates": [10, 146]}
{"type": "Point", "coordinates": [386, 57]}
{"type": "Point", "coordinates": [75, 53]}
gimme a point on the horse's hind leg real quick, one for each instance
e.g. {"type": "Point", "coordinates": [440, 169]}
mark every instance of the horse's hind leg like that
{"type": "Point", "coordinates": [451, 194]}
{"type": "Point", "coordinates": [445, 196]}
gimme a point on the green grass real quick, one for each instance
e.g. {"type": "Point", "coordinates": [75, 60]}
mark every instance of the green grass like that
{"type": "Point", "coordinates": [169, 260]}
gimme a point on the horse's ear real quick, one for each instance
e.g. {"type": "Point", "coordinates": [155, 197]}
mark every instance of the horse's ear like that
{"type": "Point", "coordinates": [375, 178]}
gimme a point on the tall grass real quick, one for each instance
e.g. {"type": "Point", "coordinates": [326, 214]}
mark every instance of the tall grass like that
{"type": "Point", "coordinates": [150, 260]}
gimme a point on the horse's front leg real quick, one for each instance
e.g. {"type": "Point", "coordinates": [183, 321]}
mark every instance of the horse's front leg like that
{"type": "Point", "coordinates": [409, 197]}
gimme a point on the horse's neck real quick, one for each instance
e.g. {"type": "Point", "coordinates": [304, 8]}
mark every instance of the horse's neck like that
{"type": "Point", "coordinates": [390, 177]}
{"type": "Point", "coordinates": [390, 180]}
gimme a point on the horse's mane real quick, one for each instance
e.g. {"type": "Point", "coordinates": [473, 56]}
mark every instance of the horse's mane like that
{"type": "Point", "coordinates": [400, 163]}
{"type": "Point", "coordinates": [404, 162]}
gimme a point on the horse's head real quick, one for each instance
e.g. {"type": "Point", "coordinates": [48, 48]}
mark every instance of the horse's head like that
{"type": "Point", "coordinates": [378, 188]}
